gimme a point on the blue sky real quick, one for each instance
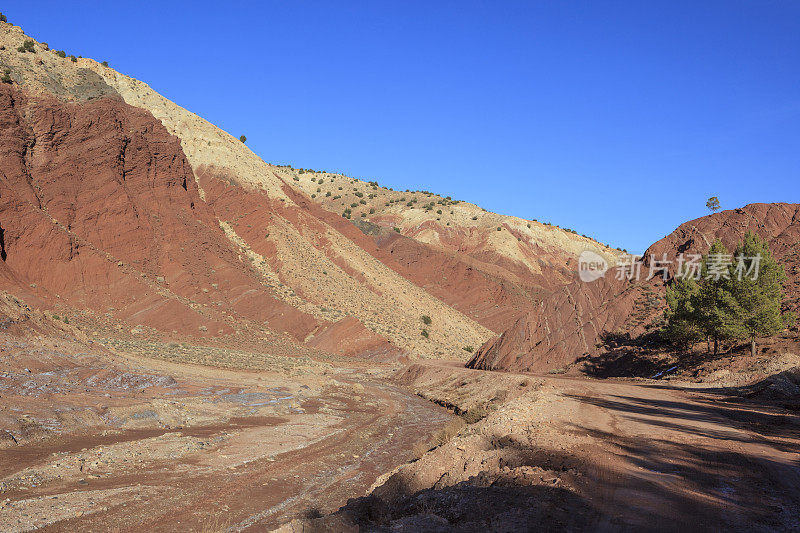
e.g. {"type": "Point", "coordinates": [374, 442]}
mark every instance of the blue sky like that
{"type": "Point", "coordinates": [616, 119]}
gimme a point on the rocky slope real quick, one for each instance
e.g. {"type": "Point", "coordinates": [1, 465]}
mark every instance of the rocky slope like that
{"type": "Point", "coordinates": [192, 233]}
{"type": "Point", "coordinates": [583, 320]}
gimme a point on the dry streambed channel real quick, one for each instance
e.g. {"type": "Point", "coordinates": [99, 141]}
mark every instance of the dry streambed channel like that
{"type": "Point", "coordinates": [128, 445]}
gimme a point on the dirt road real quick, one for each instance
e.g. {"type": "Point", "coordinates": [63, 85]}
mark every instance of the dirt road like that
{"type": "Point", "coordinates": [601, 455]}
{"type": "Point", "coordinates": [677, 458]}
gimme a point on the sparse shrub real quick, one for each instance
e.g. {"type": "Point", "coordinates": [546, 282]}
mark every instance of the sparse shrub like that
{"type": "Point", "coordinates": [327, 194]}
{"type": "Point", "coordinates": [73, 59]}
{"type": "Point", "coordinates": [105, 64]}
{"type": "Point", "coordinates": [27, 46]}
{"type": "Point", "coordinates": [371, 210]}
{"type": "Point", "coordinates": [425, 333]}
{"type": "Point", "coordinates": [295, 178]}
{"type": "Point", "coordinates": [468, 349]}
{"type": "Point", "coordinates": [397, 230]}
{"type": "Point", "coordinates": [499, 228]}
{"type": "Point", "coordinates": [438, 211]}
{"type": "Point", "coordinates": [426, 320]}
{"type": "Point", "coordinates": [475, 414]}
{"type": "Point", "coordinates": [3, 18]}
{"type": "Point", "coordinates": [475, 217]}
{"type": "Point", "coordinates": [242, 138]}
{"type": "Point", "coordinates": [6, 76]}
{"type": "Point", "coordinates": [61, 53]}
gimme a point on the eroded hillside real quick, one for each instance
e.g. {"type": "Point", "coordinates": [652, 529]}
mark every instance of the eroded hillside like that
{"type": "Point", "coordinates": [280, 255]}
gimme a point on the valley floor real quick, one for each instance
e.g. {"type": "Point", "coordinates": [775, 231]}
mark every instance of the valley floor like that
{"type": "Point", "coordinates": [116, 442]}
{"type": "Point", "coordinates": [602, 455]}
{"type": "Point", "coordinates": [135, 444]}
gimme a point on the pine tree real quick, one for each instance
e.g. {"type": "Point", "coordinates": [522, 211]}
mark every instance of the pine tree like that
{"type": "Point", "coordinates": [682, 313]}
{"type": "Point", "coordinates": [758, 290]}
{"type": "Point", "coordinates": [715, 300]}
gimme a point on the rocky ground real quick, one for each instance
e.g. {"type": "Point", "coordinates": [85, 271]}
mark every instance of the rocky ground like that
{"type": "Point", "coordinates": [102, 440]}
{"type": "Point", "coordinates": [576, 454]}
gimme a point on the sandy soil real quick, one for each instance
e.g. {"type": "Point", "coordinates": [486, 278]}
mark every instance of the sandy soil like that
{"type": "Point", "coordinates": [578, 454]}
{"type": "Point", "coordinates": [98, 441]}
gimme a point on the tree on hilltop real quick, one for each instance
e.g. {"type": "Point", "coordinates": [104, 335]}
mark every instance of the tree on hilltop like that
{"type": "Point", "coordinates": [713, 204]}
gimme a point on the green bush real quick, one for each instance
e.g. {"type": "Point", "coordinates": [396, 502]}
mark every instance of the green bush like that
{"type": "Point", "coordinates": [242, 138]}
{"type": "Point", "coordinates": [397, 230]}
{"type": "Point", "coordinates": [468, 349]}
{"type": "Point", "coordinates": [27, 46]}
{"type": "Point", "coordinates": [61, 53]}
{"type": "Point", "coordinates": [426, 320]}
{"type": "Point", "coordinates": [73, 59]}
{"type": "Point", "coordinates": [6, 76]}
{"type": "Point", "coordinates": [105, 64]}
{"type": "Point", "coordinates": [425, 333]}
{"type": "Point", "coordinates": [3, 18]}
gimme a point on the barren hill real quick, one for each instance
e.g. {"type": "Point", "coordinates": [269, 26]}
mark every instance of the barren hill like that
{"type": "Point", "coordinates": [118, 202]}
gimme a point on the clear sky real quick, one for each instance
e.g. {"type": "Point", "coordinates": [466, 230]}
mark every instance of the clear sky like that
{"type": "Point", "coordinates": [616, 119]}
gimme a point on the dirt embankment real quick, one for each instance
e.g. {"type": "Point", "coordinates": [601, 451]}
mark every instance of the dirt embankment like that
{"type": "Point", "coordinates": [580, 454]}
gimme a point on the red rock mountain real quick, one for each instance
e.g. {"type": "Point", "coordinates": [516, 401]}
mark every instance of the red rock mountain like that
{"type": "Point", "coordinates": [118, 205]}
{"type": "Point", "coordinates": [577, 319]}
